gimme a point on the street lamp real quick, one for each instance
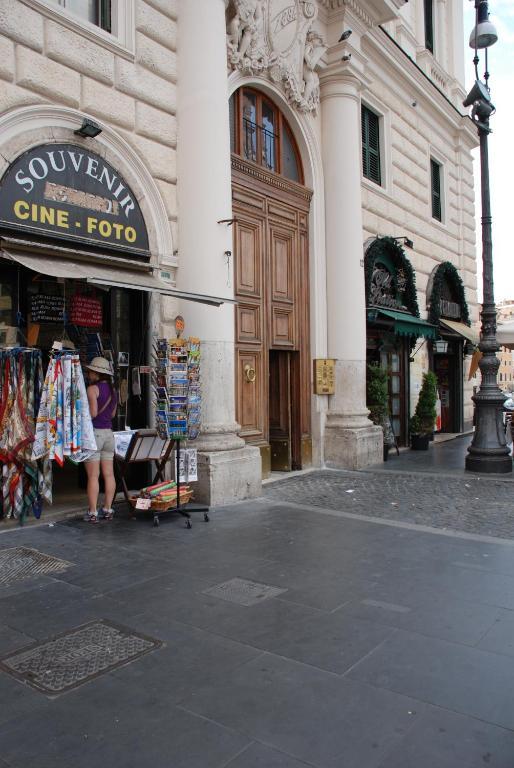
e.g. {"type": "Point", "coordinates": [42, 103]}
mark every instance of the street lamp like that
{"type": "Point", "coordinates": [488, 451]}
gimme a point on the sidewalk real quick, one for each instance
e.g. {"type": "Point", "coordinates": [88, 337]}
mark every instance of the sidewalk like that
{"type": "Point", "coordinates": [285, 633]}
{"type": "Point", "coordinates": [446, 456]}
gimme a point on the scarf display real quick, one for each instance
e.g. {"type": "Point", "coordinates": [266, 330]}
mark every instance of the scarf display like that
{"type": "Point", "coordinates": [64, 427]}
{"type": "Point", "coordinates": [22, 477]}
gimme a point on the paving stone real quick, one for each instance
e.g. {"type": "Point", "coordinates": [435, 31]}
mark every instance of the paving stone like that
{"type": "Point", "coordinates": [442, 739]}
{"type": "Point", "coordinates": [260, 756]}
{"type": "Point", "coordinates": [469, 504]}
{"type": "Point", "coordinates": [312, 715]}
{"type": "Point", "coordinates": [461, 679]}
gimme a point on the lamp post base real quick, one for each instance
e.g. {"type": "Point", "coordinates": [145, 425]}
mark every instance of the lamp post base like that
{"type": "Point", "coordinates": [489, 452]}
{"type": "Point", "coordinates": [487, 464]}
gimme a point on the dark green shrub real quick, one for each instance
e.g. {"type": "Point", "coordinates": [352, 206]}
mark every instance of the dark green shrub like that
{"type": "Point", "coordinates": [377, 395]}
{"type": "Point", "coordinates": [424, 416]}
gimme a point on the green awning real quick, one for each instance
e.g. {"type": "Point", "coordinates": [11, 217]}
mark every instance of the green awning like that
{"type": "Point", "coordinates": [408, 325]}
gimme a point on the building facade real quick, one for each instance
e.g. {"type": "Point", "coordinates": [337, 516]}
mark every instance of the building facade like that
{"type": "Point", "coordinates": [308, 159]}
{"type": "Point", "coordinates": [505, 314]}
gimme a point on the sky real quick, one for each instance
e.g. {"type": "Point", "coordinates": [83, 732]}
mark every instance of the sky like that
{"type": "Point", "coordinates": [501, 154]}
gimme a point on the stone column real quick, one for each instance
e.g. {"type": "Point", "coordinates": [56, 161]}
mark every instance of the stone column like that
{"type": "Point", "coordinates": [351, 440]}
{"type": "Point", "coordinates": [229, 470]}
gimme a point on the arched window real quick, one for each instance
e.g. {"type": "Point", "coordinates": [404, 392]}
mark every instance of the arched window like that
{"type": "Point", "coordinates": [260, 133]}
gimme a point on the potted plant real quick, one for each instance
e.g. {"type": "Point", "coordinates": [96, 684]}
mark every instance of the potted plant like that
{"type": "Point", "coordinates": [377, 397]}
{"type": "Point", "coordinates": [422, 423]}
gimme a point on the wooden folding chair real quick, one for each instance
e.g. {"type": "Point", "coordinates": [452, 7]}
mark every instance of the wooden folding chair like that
{"type": "Point", "coordinates": [146, 445]}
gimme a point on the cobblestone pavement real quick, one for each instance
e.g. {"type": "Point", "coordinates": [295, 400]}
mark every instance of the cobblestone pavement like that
{"type": "Point", "coordinates": [441, 501]}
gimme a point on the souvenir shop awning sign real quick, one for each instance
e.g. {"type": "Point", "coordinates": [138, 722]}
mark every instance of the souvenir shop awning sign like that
{"type": "Point", "coordinates": [138, 278]}
{"type": "Point", "coordinates": [68, 192]}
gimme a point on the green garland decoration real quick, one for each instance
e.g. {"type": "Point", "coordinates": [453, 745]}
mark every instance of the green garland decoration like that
{"type": "Point", "coordinates": [447, 271]}
{"type": "Point", "coordinates": [389, 246]}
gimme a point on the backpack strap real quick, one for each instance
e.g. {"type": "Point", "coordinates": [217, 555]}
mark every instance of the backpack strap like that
{"type": "Point", "coordinates": [104, 406]}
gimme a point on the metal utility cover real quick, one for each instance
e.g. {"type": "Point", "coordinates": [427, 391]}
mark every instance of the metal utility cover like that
{"type": "Point", "coordinates": [19, 563]}
{"type": "Point", "coordinates": [77, 656]}
{"type": "Point", "coordinates": [243, 592]}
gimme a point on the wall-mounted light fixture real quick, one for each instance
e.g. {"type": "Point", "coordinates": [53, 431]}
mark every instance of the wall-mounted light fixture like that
{"type": "Point", "coordinates": [88, 129]}
{"type": "Point", "coordinates": [408, 243]}
{"type": "Point", "coordinates": [441, 346]}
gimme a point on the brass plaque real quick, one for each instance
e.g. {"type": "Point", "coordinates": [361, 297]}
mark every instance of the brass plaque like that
{"type": "Point", "coordinates": [324, 376]}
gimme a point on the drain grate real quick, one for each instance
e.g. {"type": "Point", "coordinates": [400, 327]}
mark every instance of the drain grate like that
{"type": "Point", "coordinates": [243, 592]}
{"type": "Point", "coordinates": [19, 563]}
{"type": "Point", "coordinates": [77, 656]}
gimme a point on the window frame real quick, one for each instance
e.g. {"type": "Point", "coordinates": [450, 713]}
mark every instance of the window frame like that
{"type": "Point", "coordinates": [429, 26]}
{"type": "Point", "coordinates": [101, 9]}
{"type": "Point", "coordinates": [367, 110]}
{"type": "Point", "coordinates": [121, 40]}
{"type": "Point", "coordinates": [281, 126]}
{"type": "Point", "coordinates": [435, 163]}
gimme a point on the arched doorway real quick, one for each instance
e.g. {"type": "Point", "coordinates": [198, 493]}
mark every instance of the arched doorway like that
{"type": "Point", "coordinates": [393, 324]}
{"type": "Point", "coordinates": [448, 311]}
{"type": "Point", "coordinates": [271, 269]}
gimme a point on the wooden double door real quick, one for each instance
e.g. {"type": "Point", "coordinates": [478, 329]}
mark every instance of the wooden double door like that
{"type": "Point", "coordinates": [271, 267]}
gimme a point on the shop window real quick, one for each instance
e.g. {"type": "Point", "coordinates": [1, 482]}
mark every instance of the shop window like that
{"type": "Point", "coordinates": [259, 133]}
{"type": "Point", "coordinates": [429, 25]}
{"type": "Point", "coordinates": [435, 183]}
{"type": "Point", "coordinates": [370, 128]}
{"type": "Point", "coordinates": [97, 12]}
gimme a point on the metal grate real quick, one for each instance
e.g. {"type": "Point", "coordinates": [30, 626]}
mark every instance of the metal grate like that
{"type": "Point", "coordinates": [243, 592]}
{"type": "Point", "coordinates": [19, 563]}
{"type": "Point", "coordinates": [77, 656]}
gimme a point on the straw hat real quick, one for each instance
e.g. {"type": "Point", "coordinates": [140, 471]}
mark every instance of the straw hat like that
{"type": "Point", "coordinates": [100, 365]}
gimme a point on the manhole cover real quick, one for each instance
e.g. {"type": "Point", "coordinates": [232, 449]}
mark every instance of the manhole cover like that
{"type": "Point", "coordinates": [21, 563]}
{"type": "Point", "coordinates": [243, 591]}
{"type": "Point", "coordinates": [77, 656]}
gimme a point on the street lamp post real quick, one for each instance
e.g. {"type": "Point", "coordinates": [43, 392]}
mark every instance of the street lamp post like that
{"type": "Point", "coordinates": [488, 451]}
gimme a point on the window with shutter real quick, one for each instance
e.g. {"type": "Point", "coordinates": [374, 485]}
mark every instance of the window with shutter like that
{"type": "Point", "coordinates": [429, 25]}
{"type": "Point", "coordinates": [435, 173]}
{"type": "Point", "coordinates": [370, 126]}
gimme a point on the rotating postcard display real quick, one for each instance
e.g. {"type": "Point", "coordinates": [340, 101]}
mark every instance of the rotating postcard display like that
{"type": "Point", "coordinates": [177, 388]}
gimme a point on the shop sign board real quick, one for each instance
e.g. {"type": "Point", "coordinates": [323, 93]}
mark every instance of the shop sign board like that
{"type": "Point", "coordinates": [386, 290]}
{"type": "Point", "coordinates": [86, 311]}
{"type": "Point", "coordinates": [324, 376]}
{"type": "Point", "coordinates": [47, 309]}
{"type": "Point", "coordinates": [69, 192]}
{"type": "Point", "coordinates": [450, 309]}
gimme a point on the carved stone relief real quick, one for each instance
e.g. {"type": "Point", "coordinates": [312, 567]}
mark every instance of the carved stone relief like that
{"type": "Point", "coordinates": [276, 38]}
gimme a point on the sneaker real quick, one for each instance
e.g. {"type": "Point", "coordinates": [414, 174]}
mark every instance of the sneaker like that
{"type": "Point", "coordinates": [107, 514]}
{"type": "Point", "coordinates": [90, 517]}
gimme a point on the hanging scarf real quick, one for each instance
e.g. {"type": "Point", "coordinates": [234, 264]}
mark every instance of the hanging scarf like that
{"type": "Point", "coordinates": [20, 370]}
{"type": "Point", "coordinates": [64, 427]}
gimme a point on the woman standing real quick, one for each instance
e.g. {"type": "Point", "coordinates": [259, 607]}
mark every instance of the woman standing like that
{"type": "Point", "coordinates": [103, 401]}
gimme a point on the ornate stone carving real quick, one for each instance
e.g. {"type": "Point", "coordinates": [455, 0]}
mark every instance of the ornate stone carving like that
{"type": "Point", "coordinates": [276, 38]}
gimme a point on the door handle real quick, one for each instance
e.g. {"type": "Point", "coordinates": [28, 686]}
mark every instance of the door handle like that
{"type": "Point", "coordinates": [250, 373]}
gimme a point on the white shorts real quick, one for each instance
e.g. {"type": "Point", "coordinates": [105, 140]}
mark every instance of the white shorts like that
{"type": "Point", "coordinates": [104, 445]}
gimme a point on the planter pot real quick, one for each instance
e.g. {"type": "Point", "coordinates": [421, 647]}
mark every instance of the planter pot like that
{"type": "Point", "coordinates": [419, 442]}
{"type": "Point", "coordinates": [431, 437]}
